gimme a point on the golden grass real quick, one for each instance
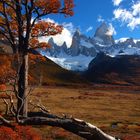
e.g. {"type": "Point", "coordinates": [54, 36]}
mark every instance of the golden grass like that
{"type": "Point", "coordinates": [103, 108]}
{"type": "Point", "coordinates": [115, 111]}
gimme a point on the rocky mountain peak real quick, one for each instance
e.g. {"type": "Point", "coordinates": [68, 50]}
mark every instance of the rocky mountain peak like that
{"type": "Point", "coordinates": [51, 41]}
{"type": "Point", "coordinates": [77, 33]}
{"type": "Point", "coordinates": [64, 44]}
{"type": "Point", "coordinates": [102, 36]}
{"type": "Point", "coordinates": [130, 41]}
{"type": "Point", "coordinates": [101, 30]}
{"type": "Point", "coordinates": [64, 47]}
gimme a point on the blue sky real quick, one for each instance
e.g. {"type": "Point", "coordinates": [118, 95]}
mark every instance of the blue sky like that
{"type": "Point", "coordinates": [122, 15]}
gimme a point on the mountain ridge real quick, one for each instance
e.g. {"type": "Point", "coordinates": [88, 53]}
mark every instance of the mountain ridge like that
{"type": "Point", "coordinates": [88, 48]}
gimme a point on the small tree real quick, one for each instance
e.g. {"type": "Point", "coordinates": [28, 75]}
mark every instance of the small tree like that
{"type": "Point", "coordinates": [21, 25]}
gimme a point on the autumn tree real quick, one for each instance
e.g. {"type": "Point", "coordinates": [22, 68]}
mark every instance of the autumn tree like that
{"type": "Point", "coordinates": [22, 24]}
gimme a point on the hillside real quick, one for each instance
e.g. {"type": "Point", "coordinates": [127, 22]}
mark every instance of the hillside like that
{"type": "Point", "coordinates": [46, 72]}
{"type": "Point", "coordinates": [121, 70]}
{"type": "Point", "coordinates": [49, 73]}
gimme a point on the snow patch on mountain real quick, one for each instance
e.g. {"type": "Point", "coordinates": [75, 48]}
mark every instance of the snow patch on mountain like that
{"type": "Point", "coordinates": [127, 51]}
{"type": "Point", "coordinates": [121, 40]}
{"type": "Point", "coordinates": [75, 63]}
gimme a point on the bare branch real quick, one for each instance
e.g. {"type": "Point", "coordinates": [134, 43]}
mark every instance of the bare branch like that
{"type": "Point", "coordinates": [7, 106]}
{"type": "Point", "coordinates": [5, 122]}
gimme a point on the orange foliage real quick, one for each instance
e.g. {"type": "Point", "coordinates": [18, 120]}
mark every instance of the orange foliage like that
{"type": "Point", "coordinates": [2, 87]}
{"type": "Point", "coordinates": [5, 71]}
{"type": "Point", "coordinates": [43, 28]}
{"type": "Point", "coordinates": [36, 44]}
{"type": "Point", "coordinates": [68, 7]}
{"type": "Point", "coordinates": [27, 133]}
{"type": "Point", "coordinates": [7, 133]}
{"type": "Point", "coordinates": [36, 58]}
{"type": "Point", "coordinates": [131, 138]}
{"type": "Point", "coordinates": [19, 133]}
{"type": "Point", "coordinates": [16, 24]}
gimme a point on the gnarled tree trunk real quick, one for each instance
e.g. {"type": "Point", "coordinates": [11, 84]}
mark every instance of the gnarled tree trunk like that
{"type": "Point", "coordinates": [23, 86]}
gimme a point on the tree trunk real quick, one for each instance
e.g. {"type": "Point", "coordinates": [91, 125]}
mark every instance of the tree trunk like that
{"type": "Point", "coordinates": [23, 87]}
{"type": "Point", "coordinates": [76, 126]}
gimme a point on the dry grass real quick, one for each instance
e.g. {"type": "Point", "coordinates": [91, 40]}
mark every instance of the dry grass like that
{"type": "Point", "coordinates": [116, 112]}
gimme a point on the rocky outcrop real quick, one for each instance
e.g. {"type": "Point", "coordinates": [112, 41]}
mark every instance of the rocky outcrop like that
{"type": "Point", "coordinates": [75, 47]}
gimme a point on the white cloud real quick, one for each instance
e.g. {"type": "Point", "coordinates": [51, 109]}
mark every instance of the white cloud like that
{"type": "Point", "coordinates": [117, 2]}
{"type": "Point", "coordinates": [135, 22]}
{"type": "Point", "coordinates": [69, 26]}
{"type": "Point", "coordinates": [123, 15]}
{"type": "Point", "coordinates": [130, 17]}
{"type": "Point", "coordinates": [100, 19]}
{"type": "Point", "coordinates": [136, 8]}
{"type": "Point", "coordinates": [111, 30]}
{"type": "Point", "coordinates": [89, 29]}
{"type": "Point", "coordinates": [65, 36]}
{"type": "Point", "coordinates": [50, 20]}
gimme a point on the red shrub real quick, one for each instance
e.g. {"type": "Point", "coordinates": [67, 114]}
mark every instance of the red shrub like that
{"type": "Point", "coordinates": [27, 133]}
{"type": "Point", "coordinates": [2, 87]}
{"type": "Point", "coordinates": [131, 138]}
{"type": "Point", "coordinates": [19, 133]}
{"type": "Point", "coordinates": [7, 133]}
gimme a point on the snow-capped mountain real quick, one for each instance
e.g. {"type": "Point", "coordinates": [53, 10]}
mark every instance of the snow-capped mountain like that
{"type": "Point", "coordinates": [77, 57]}
{"type": "Point", "coordinates": [83, 49]}
{"type": "Point", "coordinates": [103, 36]}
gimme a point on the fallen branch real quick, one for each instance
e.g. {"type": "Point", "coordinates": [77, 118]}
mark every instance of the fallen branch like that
{"type": "Point", "coordinates": [76, 126]}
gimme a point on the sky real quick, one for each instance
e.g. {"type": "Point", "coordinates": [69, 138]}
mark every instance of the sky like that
{"type": "Point", "coordinates": [122, 17]}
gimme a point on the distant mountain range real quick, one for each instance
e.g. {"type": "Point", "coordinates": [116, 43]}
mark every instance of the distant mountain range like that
{"type": "Point", "coordinates": [121, 69]}
{"type": "Point", "coordinates": [83, 49]}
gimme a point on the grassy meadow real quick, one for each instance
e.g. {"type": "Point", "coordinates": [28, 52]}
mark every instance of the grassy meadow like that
{"type": "Point", "coordinates": [113, 109]}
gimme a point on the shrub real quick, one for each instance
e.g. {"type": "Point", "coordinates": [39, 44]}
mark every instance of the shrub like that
{"type": "Point", "coordinates": [19, 133]}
